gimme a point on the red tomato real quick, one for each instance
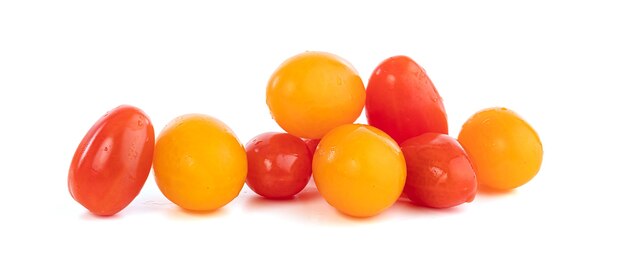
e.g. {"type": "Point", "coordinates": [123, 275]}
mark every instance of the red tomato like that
{"type": "Point", "coordinates": [113, 161]}
{"type": "Point", "coordinates": [402, 101]}
{"type": "Point", "coordinates": [439, 172]}
{"type": "Point", "coordinates": [312, 144]}
{"type": "Point", "coordinates": [279, 165]}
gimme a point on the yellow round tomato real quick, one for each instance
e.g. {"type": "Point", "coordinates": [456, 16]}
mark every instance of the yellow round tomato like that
{"type": "Point", "coordinates": [314, 92]}
{"type": "Point", "coordinates": [505, 150]}
{"type": "Point", "coordinates": [198, 163]}
{"type": "Point", "coordinates": [359, 170]}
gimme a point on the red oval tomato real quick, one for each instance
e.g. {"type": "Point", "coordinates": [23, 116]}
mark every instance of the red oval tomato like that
{"type": "Point", "coordinates": [402, 101]}
{"type": "Point", "coordinates": [113, 161]}
{"type": "Point", "coordinates": [439, 172]}
{"type": "Point", "coordinates": [279, 165]}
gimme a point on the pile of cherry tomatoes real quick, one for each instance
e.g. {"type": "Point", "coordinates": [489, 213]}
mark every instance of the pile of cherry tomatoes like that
{"type": "Point", "coordinates": [361, 170]}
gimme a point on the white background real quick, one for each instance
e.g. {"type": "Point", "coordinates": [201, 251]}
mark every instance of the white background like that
{"type": "Point", "coordinates": [560, 65]}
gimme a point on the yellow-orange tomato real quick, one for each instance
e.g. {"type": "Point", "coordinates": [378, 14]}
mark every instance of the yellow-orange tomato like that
{"type": "Point", "coordinates": [359, 170]}
{"type": "Point", "coordinates": [198, 163]}
{"type": "Point", "coordinates": [505, 150]}
{"type": "Point", "coordinates": [314, 92]}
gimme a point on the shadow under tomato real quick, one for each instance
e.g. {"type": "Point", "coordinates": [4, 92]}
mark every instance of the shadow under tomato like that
{"type": "Point", "coordinates": [179, 212]}
{"type": "Point", "coordinates": [308, 194]}
{"type": "Point", "coordinates": [486, 191]}
{"type": "Point", "coordinates": [159, 205]}
{"type": "Point", "coordinates": [407, 206]}
{"type": "Point", "coordinates": [307, 206]}
{"type": "Point", "coordinates": [87, 215]}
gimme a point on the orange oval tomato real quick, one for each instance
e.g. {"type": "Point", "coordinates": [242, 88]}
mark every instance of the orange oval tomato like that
{"type": "Point", "coordinates": [505, 150]}
{"type": "Point", "coordinates": [112, 162]}
{"type": "Point", "coordinates": [359, 170]}
{"type": "Point", "coordinates": [199, 163]}
{"type": "Point", "coordinates": [314, 92]}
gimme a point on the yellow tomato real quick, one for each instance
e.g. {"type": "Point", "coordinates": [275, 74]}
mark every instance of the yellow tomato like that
{"type": "Point", "coordinates": [505, 150]}
{"type": "Point", "coordinates": [314, 92]}
{"type": "Point", "coordinates": [359, 170]}
{"type": "Point", "coordinates": [198, 163]}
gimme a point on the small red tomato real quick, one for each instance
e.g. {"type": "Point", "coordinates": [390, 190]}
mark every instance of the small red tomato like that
{"type": "Point", "coordinates": [402, 101]}
{"type": "Point", "coordinates": [279, 165]}
{"type": "Point", "coordinates": [312, 144]}
{"type": "Point", "coordinates": [113, 161]}
{"type": "Point", "coordinates": [439, 172]}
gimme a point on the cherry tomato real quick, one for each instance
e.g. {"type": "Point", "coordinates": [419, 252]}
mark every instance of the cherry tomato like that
{"type": "Point", "coordinates": [312, 144]}
{"type": "Point", "coordinates": [505, 150]}
{"type": "Point", "coordinates": [359, 170]}
{"type": "Point", "coordinates": [279, 165]}
{"type": "Point", "coordinates": [439, 172]}
{"type": "Point", "coordinates": [198, 163]}
{"type": "Point", "coordinates": [402, 101]}
{"type": "Point", "coordinates": [112, 162]}
{"type": "Point", "coordinates": [314, 92]}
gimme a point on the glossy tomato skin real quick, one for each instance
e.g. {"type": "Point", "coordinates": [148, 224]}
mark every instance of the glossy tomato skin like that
{"type": "Point", "coordinates": [402, 101]}
{"type": "Point", "coordinates": [359, 170]}
{"type": "Point", "coordinates": [112, 162]}
{"type": "Point", "coordinates": [279, 165]}
{"type": "Point", "coordinates": [312, 145]}
{"type": "Point", "coordinates": [199, 164]}
{"type": "Point", "coordinates": [439, 172]}
{"type": "Point", "coordinates": [313, 92]}
{"type": "Point", "coordinates": [505, 150]}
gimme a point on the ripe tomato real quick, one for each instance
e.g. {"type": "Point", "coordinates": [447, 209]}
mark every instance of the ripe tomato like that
{"type": "Point", "coordinates": [314, 92]}
{"type": "Point", "coordinates": [439, 173]}
{"type": "Point", "coordinates": [312, 145]}
{"type": "Point", "coordinates": [505, 150]}
{"type": "Point", "coordinates": [198, 163]}
{"type": "Point", "coordinates": [402, 101]}
{"type": "Point", "coordinates": [113, 160]}
{"type": "Point", "coordinates": [359, 170]}
{"type": "Point", "coordinates": [279, 165]}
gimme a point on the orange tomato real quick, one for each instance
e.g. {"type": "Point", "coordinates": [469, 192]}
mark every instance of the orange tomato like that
{"type": "Point", "coordinates": [359, 170]}
{"type": "Point", "coordinates": [314, 92]}
{"type": "Point", "coordinates": [198, 163]}
{"type": "Point", "coordinates": [505, 150]}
